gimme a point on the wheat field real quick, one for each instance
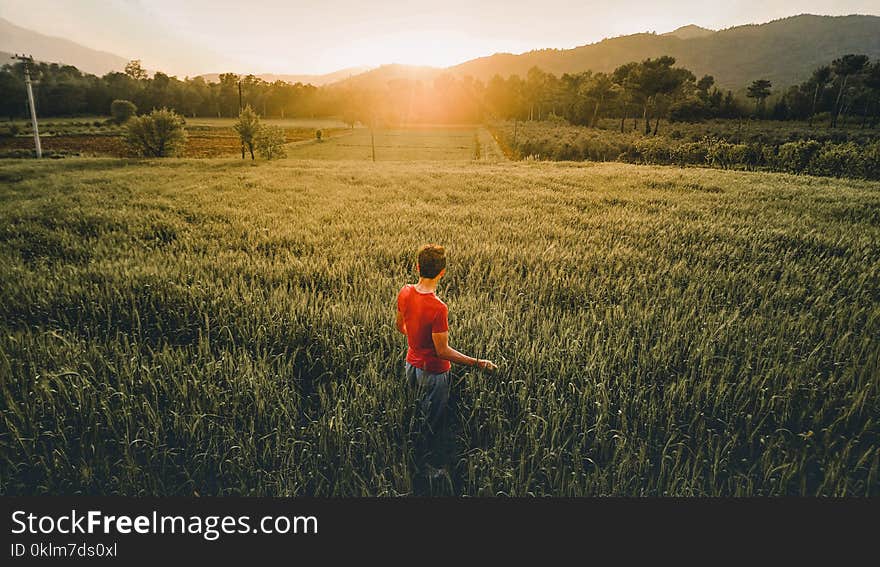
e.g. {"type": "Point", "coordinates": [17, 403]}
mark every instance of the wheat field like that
{"type": "Point", "coordinates": [220, 327]}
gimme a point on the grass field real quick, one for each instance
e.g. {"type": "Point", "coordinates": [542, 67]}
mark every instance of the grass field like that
{"type": "Point", "coordinates": [405, 144]}
{"type": "Point", "coordinates": [220, 327]}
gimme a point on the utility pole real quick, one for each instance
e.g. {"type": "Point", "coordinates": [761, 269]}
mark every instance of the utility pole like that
{"type": "Point", "coordinates": [26, 59]}
{"type": "Point", "coordinates": [372, 135]}
{"type": "Point", "coordinates": [239, 113]}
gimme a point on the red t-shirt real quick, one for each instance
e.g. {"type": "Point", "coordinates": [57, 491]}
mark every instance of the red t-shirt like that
{"type": "Point", "coordinates": [424, 314]}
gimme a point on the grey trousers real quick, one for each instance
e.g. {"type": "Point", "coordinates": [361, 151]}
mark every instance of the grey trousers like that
{"type": "Point", "coordinates": [432, 391]}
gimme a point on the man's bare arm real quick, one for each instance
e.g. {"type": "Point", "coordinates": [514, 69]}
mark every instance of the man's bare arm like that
{"type": "Point", "coordinates": [446, 352]}
{"type": "Point", "coordinates": [401, 323]}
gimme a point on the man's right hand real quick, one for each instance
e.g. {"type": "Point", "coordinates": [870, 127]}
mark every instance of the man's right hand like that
{"type": "Point", "coordinates": [487, 365]}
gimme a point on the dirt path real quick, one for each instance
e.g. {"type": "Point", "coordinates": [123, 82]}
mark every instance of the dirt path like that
{"type": "Point", "coordinates": [490, 149]}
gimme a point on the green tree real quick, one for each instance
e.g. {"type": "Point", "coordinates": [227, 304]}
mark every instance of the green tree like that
{"type": "Point", "coordinates": [228, 94]}
{"type": "Point", "coordinates": [821, 77]}
{"type": "Point", "coordinates": [134, 70]}
{"type": "Point", "coordinates": [247, 127]}
{"type": "Point", "coordinates": [270, 142]}
{"type": "Point", "coordinates": [599, 89]}
{"type": "Point", "coordinates": [844, 68]}
{"type": "Point", "coordinates": [160, 133]}
{"type": "Point", "coordinates": [703, 85]}
{"type": "Point", "coordinates": [122, 110]}
{"type": "Point", "coordinates": [658, 82]}
{"type": "Point", "coordinates": [759, 90]}
{"type": "Point", "coordinates": [872, 82]}
{"type": "Point", "coordinates": [625, 77]}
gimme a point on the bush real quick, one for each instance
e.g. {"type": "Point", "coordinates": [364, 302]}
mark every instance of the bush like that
{"type": "Point", "coordinates": [121, 111]}
{"type": "Point", "coordinates": [795, 156]}
{"type": "Point", "coordinates": [871, 160]}
{"type": "Point", "coordinates": [157, 134]}
{"type": "Point", "coordinates": [690, 153]}
{"type": "Point", "coordinates": [723, 146]}
{"type": "Point", "coordinates": [318, 134]}
{"type": "Point", "coordinates": [722, 154]}
{"type": "Point", "coordinates": [654, 149]}
{"type": "Point", "coordinates": [270, 142]}
{"type": "Point", "coordinates": [837, 160]}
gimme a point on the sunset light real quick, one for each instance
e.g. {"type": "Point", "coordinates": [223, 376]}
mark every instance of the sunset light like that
{"type": "Point", "coordinates": [271, 269]}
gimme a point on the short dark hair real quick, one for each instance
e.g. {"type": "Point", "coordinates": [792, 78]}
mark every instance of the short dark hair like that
{"type": "Point", "coordinates": [432, 259]}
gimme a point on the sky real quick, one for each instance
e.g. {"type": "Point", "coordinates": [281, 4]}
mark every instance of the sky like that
{"type": "Point", "coordinates": [191, 37]}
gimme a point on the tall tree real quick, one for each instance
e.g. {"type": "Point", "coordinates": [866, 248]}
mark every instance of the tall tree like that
{"type": "Point", "coordinates": [134, 70]}
{"type": "Point", "coordinates": [872, 82]}
{"type": "Point", "coordinates": [844, 68]}
{"type": "Point", "coordinates": [247, 127]}
{"type": "Point", "coordinates": [625, 78]}
{"type": "Point", "coordinates": [759, 90]}
{"type": "Point", "coordinates": [599, 88]}
{"type": "Point", "coordinates": [821, 77]}
{"type": "Point", "coordinates": [656, 80]}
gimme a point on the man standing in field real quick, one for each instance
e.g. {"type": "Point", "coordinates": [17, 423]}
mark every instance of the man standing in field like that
{"type": "Point", "coordinates": [422, 317]}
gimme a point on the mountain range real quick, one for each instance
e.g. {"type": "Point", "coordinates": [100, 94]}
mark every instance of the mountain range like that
{"type": "Point", "coordinates": [316, 80]}
{"type": "Point", "coordinates": [15, 39]}
{"type": "Point", "coordinates": [783, 51]}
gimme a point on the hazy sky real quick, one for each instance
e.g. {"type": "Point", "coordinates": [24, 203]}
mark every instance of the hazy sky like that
{"type": "Point", "coordinates": [189, 37]}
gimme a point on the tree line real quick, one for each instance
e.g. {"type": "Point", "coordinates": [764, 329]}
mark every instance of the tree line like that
{"type": "Point", "coordinates": [637, 94]}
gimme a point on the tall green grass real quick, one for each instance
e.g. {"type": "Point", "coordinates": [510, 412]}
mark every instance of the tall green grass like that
{"type": "Point", "coordinates": [219, 328]}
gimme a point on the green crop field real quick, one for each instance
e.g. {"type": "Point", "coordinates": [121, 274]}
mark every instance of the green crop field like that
{"type": "Point", "coordinates": [220, 327]}
{"type": "Point", "coordinates": [405, 144]}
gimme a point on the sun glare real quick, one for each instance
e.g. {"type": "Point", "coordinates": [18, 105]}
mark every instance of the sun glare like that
{"type": "Point", "coordinates": [434, 48]}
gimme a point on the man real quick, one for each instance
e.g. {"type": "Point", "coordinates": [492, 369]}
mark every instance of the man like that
{"type": "Point", "coordinates": [422, 317]}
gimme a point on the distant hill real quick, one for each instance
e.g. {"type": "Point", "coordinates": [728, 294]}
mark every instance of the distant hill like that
{"type": "Point", "coordinates": [392, 72]}
{"type": "Point", "coordinates": [689, 32]}
{"type": "Point", "coordinates": [784, 51]}
{"type": "Point", "coordinates": [14, 39]}
{"type": "Point", "coordinates": [316, 80]}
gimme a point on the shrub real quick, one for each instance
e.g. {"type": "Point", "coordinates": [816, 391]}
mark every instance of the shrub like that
{"type": "Point", "coordinates": [270, 142]}
{"type": "Point", "coordinates": [837, 160]}
{"type": "Point", "coordinates": [871, 160]}
{"type": "Point", "coordinates": [795, 156]}
{"type": "Point", "coordinates": [690, 153]}
{"type": "Point", "coordinates": [654, 149]}
{"type": "Point", "coordinates": [754, 155]}
{"type": "Point", "coordinates": [319, 135]}
{"type": "Point", "coordinates": [157, 134]}
{"type": "Point", "coordinates": [720, 153]}
{"type": "Point", "coordinates": [121, 111]}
